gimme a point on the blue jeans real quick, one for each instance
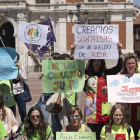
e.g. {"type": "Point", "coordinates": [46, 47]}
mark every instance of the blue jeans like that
{"type": "Point", "coordinates": [56, 126]}
{"type": "Point", "coordinates": [19, 99]}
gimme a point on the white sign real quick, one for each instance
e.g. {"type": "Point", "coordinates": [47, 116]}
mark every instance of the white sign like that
{"type": "Point", "coordinates": [32, 33]}
{"type": "Point", "coordinates": [124, 88]}
{"type": "Point", "coordinates": [96, 41]}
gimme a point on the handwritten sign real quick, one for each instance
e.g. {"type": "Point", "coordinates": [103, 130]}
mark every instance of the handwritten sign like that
{"type": "Point", "coordinates": [63, 76]}
{"type": "Point", "coordinates": [32, 33]}
{"type": "Point", "coordinates": [124, 88]}
{"type": "Point", "coordinates": [96, 41]}
{"type": "Point", "coordinates": [8, 57]}
{"type": "Point", "coordinates": [75, 136]}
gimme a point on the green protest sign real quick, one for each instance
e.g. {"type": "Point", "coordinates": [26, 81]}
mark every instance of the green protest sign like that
{"type": "Point", "coordinates": [63, 76]}
{"type": "Point", "coordinates": [75, 136]}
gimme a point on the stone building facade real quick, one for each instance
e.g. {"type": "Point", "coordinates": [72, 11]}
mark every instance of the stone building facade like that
{"type": "Point", "coordinates": [34, 11]}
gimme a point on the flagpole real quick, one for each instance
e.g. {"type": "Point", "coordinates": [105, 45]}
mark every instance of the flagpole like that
{"type": "Point", "coordinates": [2, 41]}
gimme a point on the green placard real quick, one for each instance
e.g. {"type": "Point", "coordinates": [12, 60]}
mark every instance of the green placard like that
{"type": "Point", "coordinates": [75, 136]}
{"type": "Point", "coordinates": [63, 76]}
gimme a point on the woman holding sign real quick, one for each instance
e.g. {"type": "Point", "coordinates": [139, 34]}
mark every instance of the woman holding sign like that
{"type": "Point", "coordinates": [97, 107]}
{"type": "Point", "coordinates": [132, 111]}
{"type": "Point", "coordinates": [117, 128]}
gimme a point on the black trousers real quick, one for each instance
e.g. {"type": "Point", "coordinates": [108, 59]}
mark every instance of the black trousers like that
{"type": "Point", "coordinates": [96, 128]}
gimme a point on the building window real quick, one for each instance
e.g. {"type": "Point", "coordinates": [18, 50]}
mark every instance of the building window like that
{"type": "Point", "coordinates": [95, 21]}
{"type": "Point", "coordinates": [42, 1]}
{"type": "Point", "coordinates": [95, 0]}
{"type": "Point", "coordinates": [138, 34]}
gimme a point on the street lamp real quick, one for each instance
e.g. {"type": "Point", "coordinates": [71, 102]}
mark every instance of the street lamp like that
{"type": "Point", "coordinates": [78, 13]}
{"type": "Point", "coordinates": [71, 14]}
{"type": "Point", "coordinates": [78, 7]}
{"type": "Point", "coordinates": [3, 32]}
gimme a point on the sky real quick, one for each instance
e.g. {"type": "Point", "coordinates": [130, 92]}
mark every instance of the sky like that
{"type": "Point", "coordinates": [137, 2]}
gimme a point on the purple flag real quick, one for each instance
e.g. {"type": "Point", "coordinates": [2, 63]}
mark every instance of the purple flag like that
{"type": "Point", "coordinates": [50, 39]}
{"type": "Point", "coordinates": [33, 47]}
{"type": "Point", "coordinates": [43, 49]}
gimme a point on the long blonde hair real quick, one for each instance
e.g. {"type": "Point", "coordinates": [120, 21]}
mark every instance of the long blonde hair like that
{"type": "Point", "coordinates": [114, 108]}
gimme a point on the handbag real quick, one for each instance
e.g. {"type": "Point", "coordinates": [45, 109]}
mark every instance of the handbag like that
{"type": "Point", "coordinates": [53, 105]}
{"type": "Point", "coordinates": [27, 94]}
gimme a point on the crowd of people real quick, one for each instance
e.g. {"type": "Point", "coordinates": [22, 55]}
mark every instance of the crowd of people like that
{"type": "Point", "coordinates": [100, 116]}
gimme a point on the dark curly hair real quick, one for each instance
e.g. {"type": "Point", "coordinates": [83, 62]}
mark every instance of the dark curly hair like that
{"type": "Point", "coordinates": [29, 128]}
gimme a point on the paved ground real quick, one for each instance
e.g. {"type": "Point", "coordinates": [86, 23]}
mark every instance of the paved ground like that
{"type": "Point", "coordinates": [36, 89]}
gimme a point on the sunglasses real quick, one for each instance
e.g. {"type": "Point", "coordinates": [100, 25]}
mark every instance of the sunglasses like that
{"type": "Point", "coordinates": [37, 116]}
{"type": "Point", "coordinates": [76, 116]}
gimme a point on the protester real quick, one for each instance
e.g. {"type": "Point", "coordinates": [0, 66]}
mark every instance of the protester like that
{"type": "Point", "coordinates": [130, 66]}
{"type": "Point", "coordinates": [138, 135]}
{"type": "Point", "coordinates": [117, 125]}
{"type": "Point", "coordinates": [56, 126]}
{"type": "Point", "coordinates": [35, 127]}
{"type": "Point", "coordinates": [18, 90]}
{"type": "Point", "coordinates": [75, 118]}
{"type": "Point", "coordinates": [6, 88]}
{"type": "Point", "coordinates": [65, 56]}
{"type": "Point", "coordinates": [8, 119]}
{"type": "Point", "coordinates": [97, 106]}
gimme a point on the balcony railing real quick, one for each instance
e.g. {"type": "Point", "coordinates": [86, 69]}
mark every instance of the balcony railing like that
{"type": "Point", "coordinates": [11, 3]}
{"type": "Point", "coordinates": [95, 0]}
{"type": "Point", "coordinates": [137, 45]}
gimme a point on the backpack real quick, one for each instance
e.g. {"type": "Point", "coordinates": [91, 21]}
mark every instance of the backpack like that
{"type": "Point", "coordinates": [27, 94]}
{"type": "Point", "coordinates": [128, 127]}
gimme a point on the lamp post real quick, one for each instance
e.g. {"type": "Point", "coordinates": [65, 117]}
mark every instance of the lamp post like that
{"type": "Point", "coordinates": [78, 14]}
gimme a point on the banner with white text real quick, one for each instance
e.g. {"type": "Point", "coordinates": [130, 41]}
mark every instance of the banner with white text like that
{"type": "Point", "coordinates": [124, 88]}
{"type": "Point", "coordinates": [75, 136]}
{"type": "Point", "coordinates": [96, 41]}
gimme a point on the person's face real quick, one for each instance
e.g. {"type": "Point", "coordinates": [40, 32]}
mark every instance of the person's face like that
{"type": "Point", "coordinates": [96, 64]}
{"type": "Point", "coordinates": [117, 117]}
{"type": "Point", "coordinates": [35, 117]}
{"type": "Point", "coordinates": [50, 58]}
{"type": "Point", "coordinates": [131, 66]}
{"type": "Point", "coordinates": [75, 118]}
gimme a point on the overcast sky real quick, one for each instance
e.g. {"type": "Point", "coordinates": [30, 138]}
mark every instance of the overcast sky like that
{"type": "Point", "coordinates": [137, 2]}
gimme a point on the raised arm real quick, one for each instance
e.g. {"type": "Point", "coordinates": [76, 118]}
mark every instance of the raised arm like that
{"type": "Point", "coordinates": [30, 53]}
{"type": "Point", "coordinates": [118, 67]}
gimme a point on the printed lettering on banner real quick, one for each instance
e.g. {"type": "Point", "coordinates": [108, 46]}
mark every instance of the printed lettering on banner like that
{"type": "Point", "coordinates": [75, 135]}
{"type": "Point", "coordinates": [63, 76]}
{"type": "Point", "coordinates": [124, 88]}
{"type": "Point", "coordinates": [8, 57]}
{"type": "Point", "coordinates": [96, 41]}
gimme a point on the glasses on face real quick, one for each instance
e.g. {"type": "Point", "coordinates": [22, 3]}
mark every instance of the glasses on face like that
{"type": "Point", "coordinates": [37, 116]}
{"type": "Point", "coordinates": [118, 115]}
{"type": "Point", "coordinates": [76, 116]}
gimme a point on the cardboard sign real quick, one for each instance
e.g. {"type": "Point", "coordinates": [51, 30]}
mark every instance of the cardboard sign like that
{"type": "Point", "coordinates": [96, 41]}
{"type": "Point", "coordinates": [32, 33]}
{"type": "Point", "coordinates": [75, 136]}
{"type": "Point", "coordinates": [8, 57]}
{"type": "Point", "coordinates": [63, 76]}
{"type": "Point", "coordinates": [124, 88]}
